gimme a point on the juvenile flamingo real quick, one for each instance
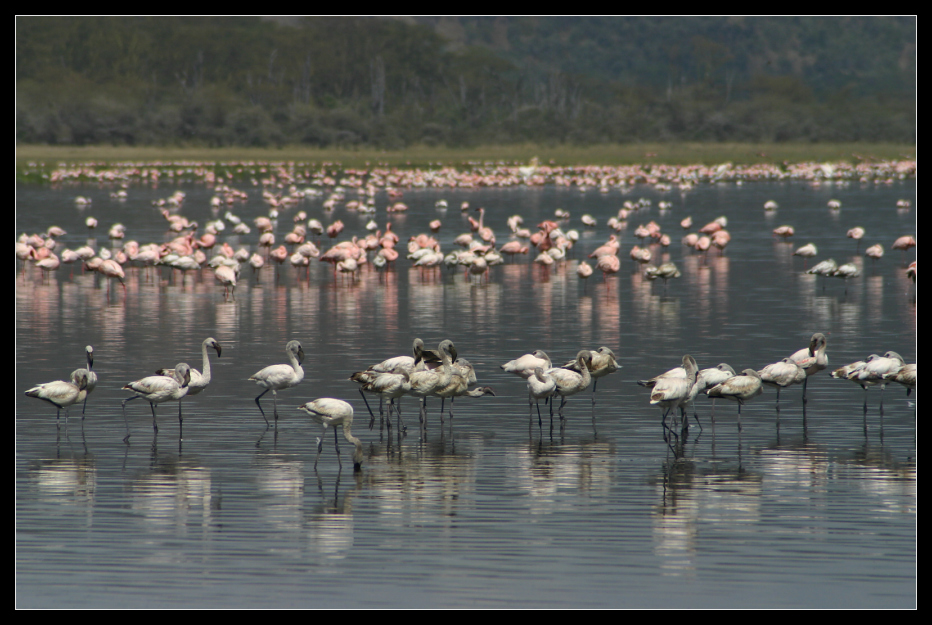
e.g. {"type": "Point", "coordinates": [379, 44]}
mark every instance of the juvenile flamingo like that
{"type": "Point", "coordinates": [782, 374]}
{"type": "Point", "coordinates": [331, 412]}
{"type": "Point", "coordinates": [813, 358]}
{"type": "Point", "coordinates": [157, 389]}
{"type": "Point", "coordinates": [740, 388]}
{"type": "Point", "coordinates": [540, 385]}
{"type": "Point", "coordinates": [572, 381]}
{"type": "Point", "coordinates": [425, 381]}
{"type": "Point", "coordinates": [91, 376]}
{"type": "Point", "coordinates": [199, 380]}
{"type": "Point", "coordinates": [62, 394]}
{"type": "Point", "coordinates": [670, 391]}
{"type": "Point", "coordinates": [278, 377]}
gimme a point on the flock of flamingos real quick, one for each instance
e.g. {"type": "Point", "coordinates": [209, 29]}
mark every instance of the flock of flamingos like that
{"type": "Point", "coordinates": [433, 373]}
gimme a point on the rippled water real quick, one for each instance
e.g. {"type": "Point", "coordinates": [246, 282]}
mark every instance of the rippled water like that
{"type": "Point", "coordinates": [814, 509]}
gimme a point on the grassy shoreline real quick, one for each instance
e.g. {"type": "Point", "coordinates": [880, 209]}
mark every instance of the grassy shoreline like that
{"type": "Point", "coordinates": [424, 156]}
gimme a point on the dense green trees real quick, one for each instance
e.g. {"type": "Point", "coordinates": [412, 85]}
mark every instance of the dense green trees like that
{"type": "Point", "coordinates": [461, 81]}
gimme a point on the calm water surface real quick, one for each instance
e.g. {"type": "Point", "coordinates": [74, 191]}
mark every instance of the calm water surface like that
{"type": "Point", "coordinates": [816, 508]}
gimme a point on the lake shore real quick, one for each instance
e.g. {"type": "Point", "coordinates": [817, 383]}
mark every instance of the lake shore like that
{"type": "Point", "coordinates": [419, 156]}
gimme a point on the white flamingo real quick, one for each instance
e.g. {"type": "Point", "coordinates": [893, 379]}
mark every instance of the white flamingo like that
{"type": "Point", "coordinates": [525, 365]}
{"type": "Point", "coordinates": [331, 412]}
{"type": "Point", "coordinates": [540, 385]}
{"type": "Point", "coordinates": [669, 391]}
{"type": "Point", "coordinates": [390, 385]}
{"type": "Point", "coordinates": [157, 389]}
{"type": "Point", "coordinates": [277, 377]}
{"type": "Point", "coordinates": [425, 381]}
{"type": "Point", "coordinates": [572, 381]}
{"type": "Point", "coordinates": [62, 394]}
{"type": "Point", "coordinates": [603, 363]}
{"type": "Point", "coordinates": [877, 370]}
{"type": "Point", "coordinates": [813, 358]}
{"type": "Point", "coordinates": [199, 379]}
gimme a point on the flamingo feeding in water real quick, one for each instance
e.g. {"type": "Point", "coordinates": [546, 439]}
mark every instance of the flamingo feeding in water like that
{"type": "Point", "coordinates": [331, 412]}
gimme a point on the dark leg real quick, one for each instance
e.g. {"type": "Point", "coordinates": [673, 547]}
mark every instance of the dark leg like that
{"type": "Point", "coordinates": [267, 424]}
{"type": "Point", "coordinates": [336, 442]}
{"type": "Point", "coordinates": [371, 414]}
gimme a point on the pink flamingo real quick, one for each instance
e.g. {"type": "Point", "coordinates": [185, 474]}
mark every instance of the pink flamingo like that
{"type": "Point", "coordinates": [608, 264]}
{"type": "Point", "coordinates": [857, 234]}
{"type": "Point", "coordinates": [904, 243]}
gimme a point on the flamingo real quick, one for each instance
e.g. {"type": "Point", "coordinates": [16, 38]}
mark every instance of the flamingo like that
{"type": "Point", "coordinates": [877, 370]}
{"type": "Point", "coordinates": [807, 251]}
{"type": "Point", "coordinates": [740, 388]}
{"type": "Point", "coordinates": [711, 377]}
{"type": "Point", "coordinates": [513, 247]}
{"type": "Point", "coordinates": [112, 269]}
{"type": "Point", "coordinates": [392, 365]}
{"type": "Point", "coordinates": [48, 264]}
{"type": "Point", "coordinates": [857, 234]}
{"type": "Point", "coordinates": [904, 243]}
{"type": "Point", "coordinates": [572, 381]}
{"type": "Point", "coordinates": [540, 385]}
{"type": "Point", "coordinates": [907, 377]}
{"type": "Point", "coordinates": [463, 376]}
{"type": "Point", "coordinates": [813, 359]}
{"type": "Point", "coordinates": [874, 252]}
{"type": "Point", "coordinates": [525, 365]}
{"type": "Point", "coordinates": [226, 276]}
{"type": "Point", "coordinates": [850, 372]}
{"type": "Point", "coordinates": [157, 389]}
{"type": "Point", "coordinates": [603, 363]}
{"type": "Point", "coordinates": [608, 264]}
{"type": "Point", "coordinates": [91, 376]}
{"type": "Point", "coordinates": [784, 232]}
{"type": "Point", "coordinates": [331, 412]}
{"type": "Point", "coordinates": [62, 394]}
{"type": "Point", "coordinates": [824, 268]}
{"type": "Point", "coordinates": [389, 385]}
{"type": "Point", "coordinates": [199, 381]}
{"type": "Point", "coordinates": [277, 377]}
{"type": "Point", "coordinates": [425, 381]}
{"type": "Point", "coordinates": [670, 391]}
{"type": "Point", "coordinates": [782, 374]}
{"type": "Point", "coordinates": [848, 270]}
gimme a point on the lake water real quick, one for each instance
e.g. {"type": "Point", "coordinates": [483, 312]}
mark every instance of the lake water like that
{"type": "Point", "coordinates": [814, 509]}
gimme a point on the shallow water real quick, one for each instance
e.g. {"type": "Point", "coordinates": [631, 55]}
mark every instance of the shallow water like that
{"type": "Point", "coordinates": [814, 509]}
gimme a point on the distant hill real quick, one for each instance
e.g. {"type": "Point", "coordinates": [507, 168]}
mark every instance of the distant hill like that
{"type": "Point", "coordinates": [867, 55]}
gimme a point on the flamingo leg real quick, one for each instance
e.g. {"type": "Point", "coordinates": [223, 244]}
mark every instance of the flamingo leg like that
{"type": "Point", "coordinates": [267, 424]}
{"type": "Point", "coordinates": [371, 414]}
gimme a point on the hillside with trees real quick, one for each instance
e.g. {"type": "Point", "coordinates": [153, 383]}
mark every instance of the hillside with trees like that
{"type": "Point", "coordinates": [394, 82]}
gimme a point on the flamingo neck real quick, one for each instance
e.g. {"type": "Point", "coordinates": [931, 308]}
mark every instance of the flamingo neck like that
{"type": "Point", "coordinates": [205, 366]}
